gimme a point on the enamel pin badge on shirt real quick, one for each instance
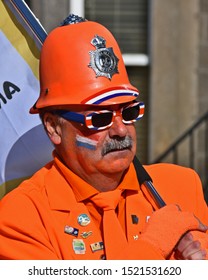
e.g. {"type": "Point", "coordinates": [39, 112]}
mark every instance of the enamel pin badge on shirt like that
{"type": "Point", "coordinates": [97, 246]}
{"type": "Point", "coordinates": [79, 246]}
{"type": "Point", "coordinates": [83, 220]}
{"type": "Point", "coordinates": [86, 234]}
{"type": "Point", "coordinates": [71, 230]}
{"type": "Point", "coordinates": [134, 219]}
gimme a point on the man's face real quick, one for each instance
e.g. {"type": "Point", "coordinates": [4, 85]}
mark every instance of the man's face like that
{"type": "Point", "coordinates": [88, 152]}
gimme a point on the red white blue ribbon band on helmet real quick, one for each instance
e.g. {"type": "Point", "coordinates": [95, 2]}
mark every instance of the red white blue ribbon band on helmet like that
{"type": "Point", "coordinates": [111, 94]}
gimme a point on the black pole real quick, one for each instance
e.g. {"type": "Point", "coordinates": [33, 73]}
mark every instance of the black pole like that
{"type": "Point", "coordinates": [145, 179]}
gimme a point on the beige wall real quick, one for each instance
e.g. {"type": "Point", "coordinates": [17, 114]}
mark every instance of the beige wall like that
{"type": "Point", "coordinates": [49, 13]}
{"type": "Point", "coordinates": [174, 39]}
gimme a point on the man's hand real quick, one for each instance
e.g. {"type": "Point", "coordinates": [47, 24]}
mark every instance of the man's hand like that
{"type": "Point", "coordinates": [189, 249]}
{"type": "Point", "coordinates": [193, 245]}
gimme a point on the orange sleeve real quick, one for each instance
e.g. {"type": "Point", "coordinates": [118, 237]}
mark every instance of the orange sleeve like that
{"type": "Point", "coordinates": [22, 232]}
{"type": "Point", "coordinates": [201, 209]}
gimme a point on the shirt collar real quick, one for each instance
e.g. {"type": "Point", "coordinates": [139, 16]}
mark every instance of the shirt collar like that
{"type": "Point", "coordinates": [82, 190]}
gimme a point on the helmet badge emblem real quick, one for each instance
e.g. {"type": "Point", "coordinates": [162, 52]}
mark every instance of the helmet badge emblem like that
{"type": "Point", "coordinates": [103, 60]}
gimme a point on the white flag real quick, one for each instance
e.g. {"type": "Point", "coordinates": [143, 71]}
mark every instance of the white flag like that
{"type": "Point", "coordinates": [24, 146]}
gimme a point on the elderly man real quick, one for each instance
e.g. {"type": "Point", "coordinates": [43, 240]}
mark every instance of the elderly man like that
{"type": "Point", "coordinates": [87, 203]}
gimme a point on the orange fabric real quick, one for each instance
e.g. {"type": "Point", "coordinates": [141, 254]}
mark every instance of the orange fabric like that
{"type": "Point", "coordinates": [115, 241]}
{"type": "Point", "coordinates": [34, 216]}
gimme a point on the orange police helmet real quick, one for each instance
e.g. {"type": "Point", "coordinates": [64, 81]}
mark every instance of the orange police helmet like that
{"type": "Point", "coordinates": [81, 63]}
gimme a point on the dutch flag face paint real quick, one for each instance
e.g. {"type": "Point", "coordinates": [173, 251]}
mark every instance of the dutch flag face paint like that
{"type": "Point", "coordinates": [86, 142]}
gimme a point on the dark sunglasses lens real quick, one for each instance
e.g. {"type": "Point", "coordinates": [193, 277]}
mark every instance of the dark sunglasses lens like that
{"type": "Point", "coordinates": [102, 119]}
{"type": "Point", "coordinates": [131, 113]}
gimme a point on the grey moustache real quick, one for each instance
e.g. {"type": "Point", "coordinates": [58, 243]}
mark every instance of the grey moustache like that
{"type": "Point", "coordinates": [117, 144]}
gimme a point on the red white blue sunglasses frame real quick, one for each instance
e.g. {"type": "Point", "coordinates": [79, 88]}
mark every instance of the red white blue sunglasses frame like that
{"type": "Point", "coordinates": [105, 118]}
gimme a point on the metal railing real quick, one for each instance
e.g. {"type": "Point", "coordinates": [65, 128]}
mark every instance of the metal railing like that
{"type": "Point", "coordinates": [195, 138]}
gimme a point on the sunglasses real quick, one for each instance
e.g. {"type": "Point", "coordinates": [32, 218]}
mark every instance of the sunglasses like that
{"type": "Point", "coordinates": [103, 119]}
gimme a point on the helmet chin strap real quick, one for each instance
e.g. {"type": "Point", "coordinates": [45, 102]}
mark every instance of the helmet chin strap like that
{"type": "Point", "coordinates": [145, 179]}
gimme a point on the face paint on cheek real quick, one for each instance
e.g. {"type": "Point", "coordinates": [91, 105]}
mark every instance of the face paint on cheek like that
{"type": "Point", "coordinates": [86, 142]}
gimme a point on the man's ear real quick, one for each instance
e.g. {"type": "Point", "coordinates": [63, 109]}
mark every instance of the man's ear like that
{"type": "Point", "coordinates": [52, 127]}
